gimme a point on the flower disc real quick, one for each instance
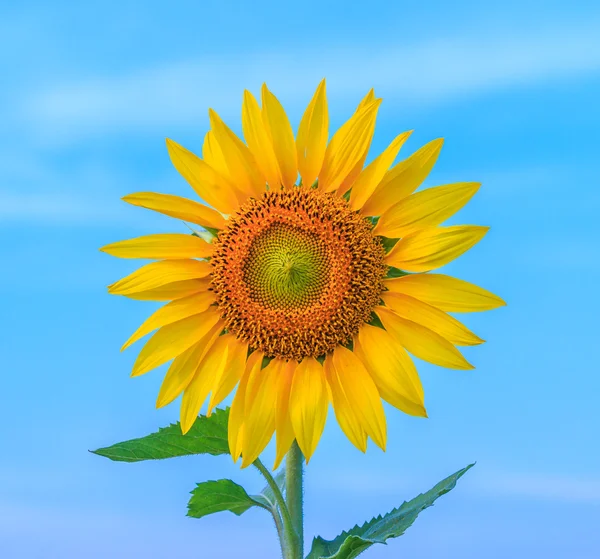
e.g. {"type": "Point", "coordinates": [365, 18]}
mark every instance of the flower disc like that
{"type": "Point", "coordinates": [297, 272]}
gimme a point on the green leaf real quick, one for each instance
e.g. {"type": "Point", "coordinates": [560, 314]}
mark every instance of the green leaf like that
{"type": "Point", "coordinates": [218, 496]}
{"type": "Point", "coordinates": [352, 543]}
{"type": "Point", "coordinates": [208, 435]}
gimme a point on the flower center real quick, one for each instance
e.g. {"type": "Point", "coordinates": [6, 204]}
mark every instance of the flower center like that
{"type": "Point", "coordinates": [286, 267]}
{"type": "Point", "coordinates": [296, 273]}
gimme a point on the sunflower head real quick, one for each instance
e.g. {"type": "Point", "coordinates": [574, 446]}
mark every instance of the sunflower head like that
{"type": "Point", "coordinates": [309, 281]}
{"type": "Point", "coordinates": [296, 273]}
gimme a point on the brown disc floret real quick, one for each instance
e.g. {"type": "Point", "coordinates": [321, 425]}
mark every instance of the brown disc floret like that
{"type": "Point", "coordinates": [297, 272]}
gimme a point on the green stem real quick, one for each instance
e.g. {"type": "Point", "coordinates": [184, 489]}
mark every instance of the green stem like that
{"type": "Point", "coordinates": [293, 490]}
{"type": "Point", "coordinates": [289, 542]}
{"type": "Point", "coordinates": [279, 527]}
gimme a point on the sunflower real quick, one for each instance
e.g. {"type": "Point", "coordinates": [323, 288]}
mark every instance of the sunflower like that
{"type": "Point", "coordinates": [302, 292]}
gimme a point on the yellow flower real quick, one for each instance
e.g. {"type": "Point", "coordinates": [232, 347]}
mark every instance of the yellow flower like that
{"type": "Point", "coordinates": [291, 291]}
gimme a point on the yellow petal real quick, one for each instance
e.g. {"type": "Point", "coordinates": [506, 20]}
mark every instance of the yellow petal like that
{"type": "Point", "coordinates": [347, 147]}
{"type": "Point", "coordinates": [280, 131]}
{"type": "Point", "coordinates": [350, 179]}
{"type": "Point", "coordinates": [259, 141]}
{"type": "Point", "coordinates": [180, 374]}
{"type": "Point", "coordinates": [362, 394]}
{"type": "Point", "coordinates": [158, 274]}
{"type": "Point", "coordinates": [403, 179]}
{"type": "Point", "coordinates": [232, 372]}
{"type": "Point", "coordinates": [308, 405]}
{"type": "Point", "coordinates": [243, 172]}
{"type": "Point", "coordinates": [283, 424]}
{"type": "Point", "coordinates": [446, 293]}
{"type": "Point", "coordinates": [422, 342]}
{"type": "Point", "coordinates": [427, 208]}
{"type": "Point", "coordinates": [357, 169]}
{"type": "Point", "coordinates": [259, 421]}
{"type": "Point", "coordinates": [177, 207]}
{"type": "Point", "coordinates": [235, 426]}
{"type": "Point", "coordinates": [182, 370]}
{"type": "Point", "coordinates": [344, 413]}
{"type": "Point", "coordinates": [212, 154]}
{"type": "Point", "coordinates": [366, 100]}
{"type": "Point", "coordinates": [372, 175]}
{"type": "Point", "coordinates": [237, 167]}
{"type": "Point", "coordinates": [431, 317]}
{"type": "Point", "coordinates": [208, 184]}
{"type": "Point", "coordinates": [172, 340]}
{"type": "Point", "coordinates": [170, 291]}
{"type": "Point", "coordinates": [210, 367]}
{"type": "Point", "coordinates": [434, 247]}
{"type": "Point", "coordinates": [391, 368]}
{"type": "Point", "coordinates": [165, 245]}
{"type": "Point", "coordinates": [311, 141]}
{"type": "Point", "coordinates": [172, 312]}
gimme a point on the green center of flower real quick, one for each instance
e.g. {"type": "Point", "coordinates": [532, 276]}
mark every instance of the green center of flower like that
{"type": "Point", "coordinates": [286, 267]}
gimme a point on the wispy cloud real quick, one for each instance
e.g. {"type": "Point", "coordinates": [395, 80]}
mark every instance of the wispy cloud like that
{"type": "Point", "coordinates": [540, 486]}
{"type": "Point", "coordinates": [37, 191]}
{"type": "Point", "coordinates": [56, 208]}
{"type": "Point", "coordinates": [423, 73]}
{"type": "Point", "coordinates": [59, 530]}
{"type": "Point", "coordinates": [489, 483]}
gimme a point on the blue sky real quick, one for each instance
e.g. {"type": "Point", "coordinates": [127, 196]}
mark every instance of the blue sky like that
{"type": "Point", "coordinates": [89, 93]}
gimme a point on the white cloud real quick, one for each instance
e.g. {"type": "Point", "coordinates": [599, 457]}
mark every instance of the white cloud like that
{"type": "Point", "coordinates": [417, 74]}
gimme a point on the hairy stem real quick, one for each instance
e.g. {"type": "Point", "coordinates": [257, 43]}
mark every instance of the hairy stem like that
{"type": "Point", "coordinates": [294, 494]}
{"type": "Point", "coordinates": [290, 541]}
{"type": "Point", "coordinates": [280, 530]}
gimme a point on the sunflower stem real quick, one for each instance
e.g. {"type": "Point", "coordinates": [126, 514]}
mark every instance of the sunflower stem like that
{"type": "Point", "coordinates": [280, 530]}
{"type": "Point", "coordinates": [294, 494]}
{"type": "Point", "coordinates": [287, 536]}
